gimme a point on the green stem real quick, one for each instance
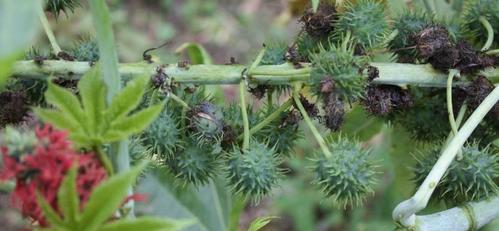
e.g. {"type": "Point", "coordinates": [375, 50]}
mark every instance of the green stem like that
{"type": "Point", "coordinates": [430, 6]}
{"type": "Point", "coordinates": [490, 33]}
{"type": "Point", "coordinates": [178, 100]}
{"type": "Point", "coordinates": [48, 31]}
{"type": "Point", "coordinates": [257, 61]}
{"type": "Point", "coordinates": [389, 73]}
{"type": "Point", "coordinates": [310, 124]}
{"type": "Point", "coordinates": [244, 112]}
{"type": "Point", "coordinates": [404, 213]}
{"type": "Point", "coordinates": [450, 110]}
{"type": "Point", "coordinates": [154, 97]}
{"type": "Point", "coordinates": [269, 118]}
{"type": "Point", "coordinates": [104, 159]}
{"type": "Point", "coordinates": [492, 52]}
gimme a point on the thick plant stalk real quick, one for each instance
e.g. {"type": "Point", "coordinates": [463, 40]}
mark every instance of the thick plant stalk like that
{"type": "Point", "coordinates": [389, 73]}
{"type": "Point", "coordinates": [472, 216]}
{"type": "Point", "coordinates": [404, 213]}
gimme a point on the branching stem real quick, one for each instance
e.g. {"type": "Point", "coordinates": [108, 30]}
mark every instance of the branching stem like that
{"type": "Point", "coordinates": [274, 115]}
{"type": "Point", "coordinates": [244, 112]}
{"type": "Point", "coordinates": [46, 27]}
{"type": "Point", "coordinates": [310, 124]}
{"type": "Point", "coordinates": [178, 100]}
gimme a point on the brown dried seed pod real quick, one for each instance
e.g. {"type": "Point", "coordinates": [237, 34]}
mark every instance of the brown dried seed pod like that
{"type": "Point", "coordinates": [470, 59]}
{"type": "Point", "coordinates": [334, 112]}
{"type": "Point", "coordinates": [477, 91]}
{"type": "Point", "coordinates": [319, 24]}
{"type": "Point", "coordinates": [432, 40]}
{"type": "Point", "coordinates": [382, 100]}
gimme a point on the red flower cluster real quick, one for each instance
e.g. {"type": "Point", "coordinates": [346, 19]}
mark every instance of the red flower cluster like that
{"type": "Point", "coordinates": [44, 168]}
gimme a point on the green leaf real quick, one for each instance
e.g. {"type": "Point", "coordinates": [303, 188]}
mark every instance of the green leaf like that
{"type": "Point", "coordinates": [107, 49]}
{"type": "Point", "coordinates": [259, 223]}
{"type": "Point", "coordinates": [49, 213]}
{"type": "Point", "coordinates": [127, 99]}
{"type": "Point", "coordinates": [65, 101]}
{"type": "Point", "coordinates": [146, 223]}
{"type": "Point", "coordinates": [315, 5]}
{"type": "Point", "coordinates": [6, 67]}
{"type": "Point", "coordinates": [196, 52]}
{"type": "Point", "coordinates": [68, 199]}
{"type": "Point", "coordinates": [107, 197]}
{"type": "Point", "coordinates": [209, 204]}
{"type": "Point", "coordinates": [58, 119]}
{"type": "Point", "coordinates": [93, 92]}
{"type": "Point", "coordinates": [133, 124]}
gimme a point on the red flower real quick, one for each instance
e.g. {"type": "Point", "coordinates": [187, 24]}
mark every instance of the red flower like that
{"type": "Point", "coordinates": [44, 169]}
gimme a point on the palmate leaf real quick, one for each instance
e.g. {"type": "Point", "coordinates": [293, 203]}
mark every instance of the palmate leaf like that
{"type": "Point", "coordinates": [93, 92]}
{"type": "Point", "coordinates": [103, 203]}
{"type": "Point", "coordinates": [88, 120]}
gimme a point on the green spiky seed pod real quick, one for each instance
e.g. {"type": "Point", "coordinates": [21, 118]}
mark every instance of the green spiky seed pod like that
{"type": "Point", "coordinates": [275, 54]}
{"type": "Point", "coordinates": [340, 67]}
{"type": "Point", "coordinates": [282, 133]}
{"type": "Point", "coordinates": [366, 20]}
{"type": "Point", "coordinates": [471, 27]}
{"type": "Point", "coordinates": [348, 176]}
{"type": "Point", "coordinates": [408, 24]}
{"type": "Point", "coordinates": [162, 136]}
{"type": "Point", "coordinates": [427, 119]}
{"type": "Point", "coordinates": [468, 179]}
{"type": "Point", "coordinates": [86, 50]}
{"type": "Point", "coordinates": [307, 45]}
{"type": "Point", "coordinates": [253, 172]}
{"type": "Point", "coordinates": [194, 163]}
{"type": "Point", "coordinates": [56, 6]}
{"type": "Point", "coordinates": [206, 122]}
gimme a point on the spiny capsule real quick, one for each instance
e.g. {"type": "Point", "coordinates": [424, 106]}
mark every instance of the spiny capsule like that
{"type": "Point", "coordinates": [367, 22]}
{"type": "Point", "coordinates": [469, 179]}
{"type": "Point", "coordinates": [471, 27]}
{"type": "Point", "coordinates": [162, 136]}
{"type": "Point", "coordinates": [194, 163]}
{"type": "Point", "coordinates": [206, 122]}
{"type": "Point", "coordinates": [348, 176]}
{"type": "Point", "coordinates": [408, 24]}
{"type": "Point", "coordinates": [338, 64]}
{"type": "Point", "coordinates": [253, 172]}
{"type": "Point", "coordinates": [56, 6]}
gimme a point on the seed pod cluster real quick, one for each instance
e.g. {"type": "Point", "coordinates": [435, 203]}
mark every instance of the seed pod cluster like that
{"type": "Point", "coordinates": [471, 178]}
{"type": "Point", "coordinates": [348, 176]}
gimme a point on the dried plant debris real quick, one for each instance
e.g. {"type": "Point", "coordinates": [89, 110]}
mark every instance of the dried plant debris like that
{"type": "Point", "coordinates": [334, 112]}
{"type": "Point", "coordinates": [319, 24]}
{"type": "Point", "coordinates": [433, 44]}
{"type": "Point", "coordinates": [382, 100]}
{"type": "Point", "coordinates": [14, 107]}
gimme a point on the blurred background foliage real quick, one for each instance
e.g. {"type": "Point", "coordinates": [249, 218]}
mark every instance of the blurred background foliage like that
{"type": "Point", "coordinates": [237, 28]}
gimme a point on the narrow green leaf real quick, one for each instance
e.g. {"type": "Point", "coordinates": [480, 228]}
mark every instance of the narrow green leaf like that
{"type": "Point", "coordinates": [65, 101]}
{"type": "Point", "coordinates": [146, 223]}
{"type": "Point", "coordinates": [50, 214]}
{"type": "Point", "coordinates": [107, 198]}
{"type": "Point", "coordinates": [127, 99]}
{"type": "Point", "coordinates": [136, 122]}
{"type": "Point", "coordinates": [68, 199]}
{"type": "Point", "coordinates": [259, 223]}
{"type": "Point", "coordinates": [107, 49]}
{"type": "Point", "coordinates": [196, 52]}
{"type": "Point", "coordinates": [93, 92]}
{"type": "Point", "coordinates": [315, 5]}
{"type": "Point", "coordinates": [58, 119]}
